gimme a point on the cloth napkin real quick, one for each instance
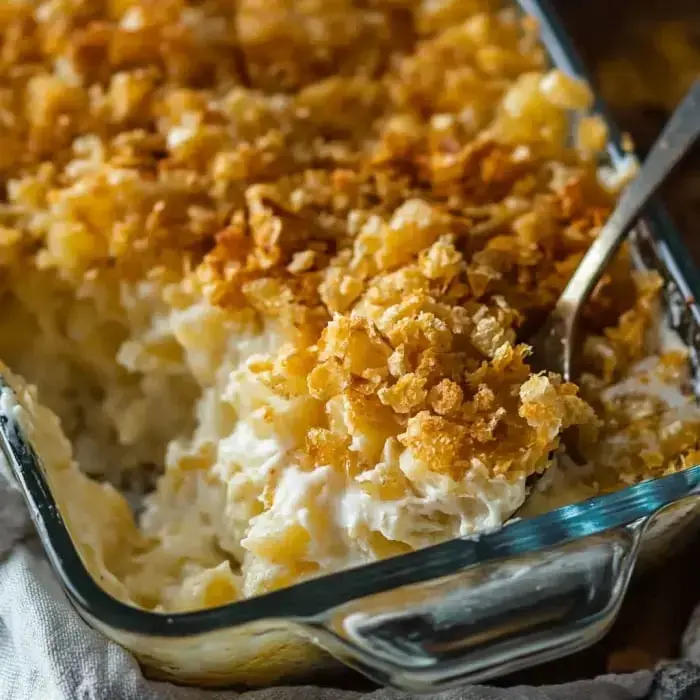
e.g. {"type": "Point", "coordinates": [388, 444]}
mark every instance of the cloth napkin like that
{"type": "Point", "coordinates": [47, 652]}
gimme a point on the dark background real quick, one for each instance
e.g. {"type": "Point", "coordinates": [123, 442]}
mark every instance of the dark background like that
{"type": "Point", "coordinates": [643, 55]}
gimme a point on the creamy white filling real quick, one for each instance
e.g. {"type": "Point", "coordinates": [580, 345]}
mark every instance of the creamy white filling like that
{"type": "Point", "coordinates": [340, 539]}
{"type": "Point", "coordinates": [646, 380]}
{"type": "Point", "coordinates": [567, 482]}
{"type": "Point", "coordinates": [244, 452]}
{"type": "Point", "coordinates": [419, 520]}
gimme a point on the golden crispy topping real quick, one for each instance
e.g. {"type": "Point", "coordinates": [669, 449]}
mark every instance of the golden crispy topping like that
{"type": "Point", "coordinates": [392, 186]}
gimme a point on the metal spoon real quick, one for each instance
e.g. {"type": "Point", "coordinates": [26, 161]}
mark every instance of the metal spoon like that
{"type": "Point", "coordinates": [554, 345]}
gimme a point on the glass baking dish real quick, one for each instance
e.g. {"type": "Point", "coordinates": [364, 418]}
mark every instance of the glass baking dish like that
{"type": "Point", "coordinates": [466, 610]}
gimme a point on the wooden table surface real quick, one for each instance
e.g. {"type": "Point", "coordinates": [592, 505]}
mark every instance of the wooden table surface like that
{"type": "Point", "coordinates": [643, 54]}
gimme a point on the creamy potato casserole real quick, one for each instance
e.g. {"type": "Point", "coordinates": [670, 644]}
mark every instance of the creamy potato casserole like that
{"type": "Point", "coordinates": [281, 257]}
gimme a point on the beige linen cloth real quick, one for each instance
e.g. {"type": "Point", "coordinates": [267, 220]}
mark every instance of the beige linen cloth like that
{"type": "Point", "coordinates": [48, 653]}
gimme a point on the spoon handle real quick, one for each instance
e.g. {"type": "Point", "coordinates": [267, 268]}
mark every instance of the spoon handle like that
{"type": "Point", "coordinates": [678, 136]}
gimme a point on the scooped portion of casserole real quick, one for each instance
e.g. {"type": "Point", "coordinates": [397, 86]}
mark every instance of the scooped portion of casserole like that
{"type": "Point", "coordinates": [281, 258]}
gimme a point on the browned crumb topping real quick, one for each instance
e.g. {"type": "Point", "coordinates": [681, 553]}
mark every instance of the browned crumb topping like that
{"type": "Point", "coordinates": [389, 182]}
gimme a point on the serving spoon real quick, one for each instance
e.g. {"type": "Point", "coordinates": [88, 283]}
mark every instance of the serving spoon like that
{"type": "Point", "coordinates": [554, 344]}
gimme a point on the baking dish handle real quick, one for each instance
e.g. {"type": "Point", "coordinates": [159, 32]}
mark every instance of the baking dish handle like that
{"type": "Point", "coordinates": [491, 618]}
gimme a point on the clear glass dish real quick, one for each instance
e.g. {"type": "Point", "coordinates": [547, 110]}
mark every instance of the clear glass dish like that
{"type": "Point", "coordinates": [466, 610]}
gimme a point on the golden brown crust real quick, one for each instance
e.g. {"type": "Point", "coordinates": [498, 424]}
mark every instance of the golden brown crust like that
{"type": "Point", "coordinates": [389, 183]}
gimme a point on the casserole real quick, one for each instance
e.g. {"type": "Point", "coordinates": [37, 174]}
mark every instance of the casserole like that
{"type": "Point", "coordinates": [182, 646]}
